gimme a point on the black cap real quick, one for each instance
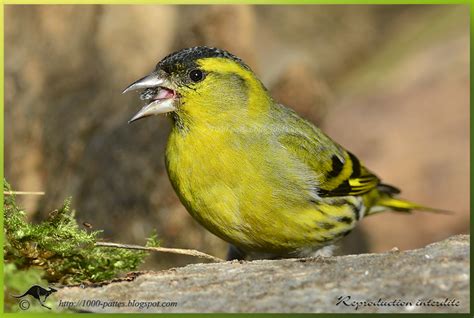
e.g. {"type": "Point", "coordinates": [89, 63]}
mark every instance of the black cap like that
{"type": "Point", "coordinates": [186, 58]}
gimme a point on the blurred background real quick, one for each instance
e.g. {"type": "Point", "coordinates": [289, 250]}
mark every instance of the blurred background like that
{"type": "Point", "coordinates": [390, 83]}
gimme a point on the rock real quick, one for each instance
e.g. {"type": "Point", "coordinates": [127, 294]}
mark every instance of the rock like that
{"type": "Point", "coordinates": [437, 273]}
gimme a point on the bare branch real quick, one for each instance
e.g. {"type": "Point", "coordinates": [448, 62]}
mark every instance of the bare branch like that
{"type": "Point", "coordinates": [23, 193]}
{"type": "Point", "coordinates": [161, 249]}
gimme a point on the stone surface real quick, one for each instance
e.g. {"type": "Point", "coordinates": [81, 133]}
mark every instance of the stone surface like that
{"type": "Point", "coordinates": [437, 272]}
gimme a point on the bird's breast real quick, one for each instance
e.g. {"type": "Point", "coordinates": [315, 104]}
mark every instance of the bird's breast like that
{"type": "Point", "coordinates": [213, 174]}
{"type": "Point", "coordinates": [244, 188]}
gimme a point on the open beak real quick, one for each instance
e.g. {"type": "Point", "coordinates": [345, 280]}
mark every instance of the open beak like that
{"type": "Point", "coordinates": [160, 97]}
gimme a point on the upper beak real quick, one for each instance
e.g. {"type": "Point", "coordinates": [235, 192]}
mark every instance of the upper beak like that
{"type": "Point", "coordinates": [162, 102]}
{"type": "Point", "coordinates": [151, 80]}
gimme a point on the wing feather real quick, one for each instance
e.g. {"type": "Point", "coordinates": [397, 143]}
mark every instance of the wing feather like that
{"type": "Point", "coordinates": [339, 172]}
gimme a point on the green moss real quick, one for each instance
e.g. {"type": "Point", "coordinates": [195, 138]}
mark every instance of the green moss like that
{"type": "Point", "coordinates": [62, 251]}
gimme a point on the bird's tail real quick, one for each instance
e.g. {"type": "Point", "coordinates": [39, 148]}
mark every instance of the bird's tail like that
{"type": "Point", "coordinates": [406, 206]}
{"type": "Point", "coordinates": [385, 200]}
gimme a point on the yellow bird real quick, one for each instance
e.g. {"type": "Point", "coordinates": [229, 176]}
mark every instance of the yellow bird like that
{"type": "Point", "coordinates": [249, 169]}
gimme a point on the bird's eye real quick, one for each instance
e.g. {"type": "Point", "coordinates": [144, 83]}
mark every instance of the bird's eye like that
{"type": "Point", "coordinates": [196, 75]}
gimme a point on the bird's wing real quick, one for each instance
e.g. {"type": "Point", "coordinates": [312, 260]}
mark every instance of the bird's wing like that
{"type": "Point", "coordinates": [339, 172]}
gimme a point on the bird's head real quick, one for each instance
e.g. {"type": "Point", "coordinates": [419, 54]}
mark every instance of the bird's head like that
{"type": "Point", "coordinates": [199, 84]}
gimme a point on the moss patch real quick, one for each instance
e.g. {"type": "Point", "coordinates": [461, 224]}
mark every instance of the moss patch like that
{"type": "Point", "coordinates": [58, 251]}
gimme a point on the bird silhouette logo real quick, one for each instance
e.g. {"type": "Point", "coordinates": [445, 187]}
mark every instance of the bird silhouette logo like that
{"type": "Point", "coordinates": [36, 292]}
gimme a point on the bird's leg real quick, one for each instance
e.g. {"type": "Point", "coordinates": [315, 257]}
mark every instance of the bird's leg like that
{"type": "Point", "coordinates": [234, 253]}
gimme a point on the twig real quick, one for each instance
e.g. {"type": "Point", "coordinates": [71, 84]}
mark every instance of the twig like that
{"type": "Point", "coordinates": [23, 193]}
{"type": "Point", "coordinates": [161, 249]}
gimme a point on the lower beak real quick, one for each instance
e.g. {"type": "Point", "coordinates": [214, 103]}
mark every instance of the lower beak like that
{"type": "Point", "coordinates": [161, 101]}
{"type": "Point", "coordinates": [154, 108]}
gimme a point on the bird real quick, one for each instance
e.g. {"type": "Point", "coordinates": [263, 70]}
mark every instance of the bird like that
{"type": "Point", "coordinates": [251, 170]}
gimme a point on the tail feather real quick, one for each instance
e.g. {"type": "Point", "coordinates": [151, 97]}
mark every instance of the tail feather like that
{"type": "Point", "coordinates": [383, 198]}
{"type": "Point", "coordinates": [406, 206]}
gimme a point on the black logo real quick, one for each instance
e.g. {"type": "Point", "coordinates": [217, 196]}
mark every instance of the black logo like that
{"type": "Point", "coordinates": [36, 292]}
